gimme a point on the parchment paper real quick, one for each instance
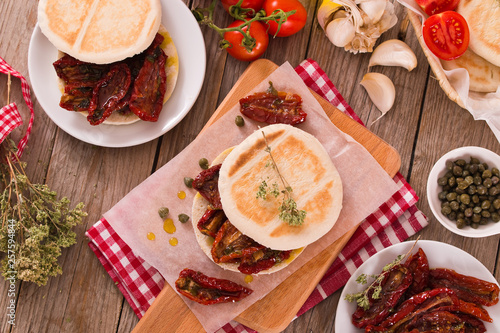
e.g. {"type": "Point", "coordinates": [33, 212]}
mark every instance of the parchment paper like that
{"type": "Point", "coordinates": [366, 186]}
{"type": "Point", "coordinates": [482, 106]}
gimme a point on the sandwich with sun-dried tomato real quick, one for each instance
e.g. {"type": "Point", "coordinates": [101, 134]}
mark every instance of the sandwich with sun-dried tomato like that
{"type": "Point", "coordinates": [117, 64]}
{"type": "Point", "coordinates": [261, 202]}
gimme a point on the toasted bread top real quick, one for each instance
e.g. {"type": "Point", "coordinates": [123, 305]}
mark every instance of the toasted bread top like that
{"type": "Point", "coordinates": [483, 19]}
{"type": "Point", "coordinates": [99, 31]}
{"type": "Point", "coordinates": [306, 167]}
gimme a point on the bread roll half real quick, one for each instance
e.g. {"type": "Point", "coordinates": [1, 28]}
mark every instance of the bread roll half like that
{"type": "Point", "coordinates": [483, 19]}
{"type": "Point", "coordinates": [100, 31]}
{"type": "Point", "coordinates": [306, 166]}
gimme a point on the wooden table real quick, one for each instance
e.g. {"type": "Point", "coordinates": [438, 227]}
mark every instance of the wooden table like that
{"type": "Point", "coordinates": [423, 125]}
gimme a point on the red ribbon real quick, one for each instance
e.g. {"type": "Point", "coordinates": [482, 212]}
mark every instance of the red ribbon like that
{"type": "Point", "coordinates": [9, 115]}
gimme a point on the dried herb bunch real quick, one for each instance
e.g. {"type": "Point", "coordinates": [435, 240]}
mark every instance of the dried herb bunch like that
{"type": "Point", "coordinates": [289, 212]}
{"type": "Point", "coordinates": [35, 224]}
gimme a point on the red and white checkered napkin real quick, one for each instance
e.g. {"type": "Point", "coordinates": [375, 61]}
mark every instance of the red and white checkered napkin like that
{"type": "Point", "coordinates": [393, 222]}
{"type": "Point", "coordinates": [9, 114]}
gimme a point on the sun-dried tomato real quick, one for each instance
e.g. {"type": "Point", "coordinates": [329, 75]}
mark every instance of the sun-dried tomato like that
{"type": "Point", "coordinates": [261, 260]}
{"type": "Point", "coordinates": [150, 85]}
{"type": "Point", "coordinates": [466, 287]}
{"type": "Point", "coordinates": [72, 70]}
{"type": "Point", "coordinates": [419, 269]}
{"type": "Point", "coordinates": [273, 107]}
{"type": "Point", "coordinates": [207, 184]}
{"type": "Point", "coordinates": [439, 299]}
{"type": "Point", "coordinates": [108, 94]}
{"type": "Point", "coordinates": [394, 284]}
{"type": "Point", "coordinates": [76, 97]}
{"type": "Point", "coordinates": [207, 290]}
{"type": "Point", "coordinates": [211, 221]}
{"type": "Point", "coordinates": [230, 244]}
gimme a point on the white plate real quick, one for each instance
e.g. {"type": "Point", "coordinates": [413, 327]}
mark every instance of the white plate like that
{"type": "Point", "coordinates": [440, 255]}
{"type": "Point", "coordinates": [433, 189]}
{"type": "Point", "coordinates": [188, 39]}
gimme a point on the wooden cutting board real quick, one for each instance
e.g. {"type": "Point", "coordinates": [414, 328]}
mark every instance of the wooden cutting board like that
{"type": "Point", "coordinates": [274, 312]}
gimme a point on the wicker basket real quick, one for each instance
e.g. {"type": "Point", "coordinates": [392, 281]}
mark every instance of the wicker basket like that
{"type": "Point", "coordinates": [433, 62]}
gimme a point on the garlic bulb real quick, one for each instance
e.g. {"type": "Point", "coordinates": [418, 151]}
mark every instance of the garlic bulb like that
{"type": "Point", "coordinates": [380, 89]}
{"type": "Point", "coordinates": [368, 26]}
{"type": "Point", "coordinates": [340, 31]}
{"type": "Point", "coordinates": [374, 9]}
{"type": "Point", "coordinates": [393, 53]}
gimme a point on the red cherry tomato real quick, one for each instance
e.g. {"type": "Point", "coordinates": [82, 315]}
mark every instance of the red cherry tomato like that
{"type": "Point", "coordinates": [293, 24]}
{"type": "Point", "coordinates": [257, 31]}
{"type": "Point", "coordinates": [431, 7]}
{"type": "Point", "coordinates": [253, 4]}
{"type": "Point", "coordinates": [446, 35]}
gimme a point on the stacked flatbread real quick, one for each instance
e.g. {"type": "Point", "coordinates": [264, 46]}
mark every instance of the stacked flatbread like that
{"type": "Point", "coordinates": [307, 168]}
{"type": "Point", "coordinates": [482, 59]}
{"type": "Point", "coordinates": [107, 31]}
{"type": "Point", "coordinates": [99, 31]}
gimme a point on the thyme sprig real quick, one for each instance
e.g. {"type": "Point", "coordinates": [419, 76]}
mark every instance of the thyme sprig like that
{"type": "Point", "coordinates": [362, 298]}
{"type": "Point", "coordinates": [289, 212]}
{"type": "Point", "coordinates": [35, 224]}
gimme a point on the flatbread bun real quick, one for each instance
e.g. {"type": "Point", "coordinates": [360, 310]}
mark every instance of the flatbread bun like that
{"type": "Point", "coordinates": [306, 166]}
{"type": "Point", "coordinates": [100, 31]}
{"type": "Point", "coordinates": [200, 205]}
{"type": "Point", "coordinates": [172, 72]}
{"type": "Point", "coordinates": [483, 19]}
{"type": "Point", "coordinates": [484, 77]}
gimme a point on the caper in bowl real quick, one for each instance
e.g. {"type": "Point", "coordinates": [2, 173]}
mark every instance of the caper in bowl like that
{"type": "Point", "coordinates": [463, 190]}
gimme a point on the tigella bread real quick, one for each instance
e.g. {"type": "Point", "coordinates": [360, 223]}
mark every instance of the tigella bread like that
{"type": "Point", "coordinates": [117, 63]}
{"type": "Point", "coordinates": [240, 228]}
{"type": "Point", "coordinates": [100, 31]}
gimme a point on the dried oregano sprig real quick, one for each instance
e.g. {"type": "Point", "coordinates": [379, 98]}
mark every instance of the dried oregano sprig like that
{"type": "Point", "coordinates": [35, 224]}
{"type": "Point", "coordinates": [288, 208]}
{"type": "Point", "coordinates": [362, 298]}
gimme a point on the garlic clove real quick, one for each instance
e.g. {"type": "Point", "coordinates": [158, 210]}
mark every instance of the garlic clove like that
{"type": "Point", "coordinates": [393, 53]}
{"type": "Point", "coordinates": [380, 89]}
{"type": "Point", "coordinates": [340, 31]}
{"type": "Point", "coordinates": [326, 11]}
{"type": "Point", "coordinates": [373, 8]}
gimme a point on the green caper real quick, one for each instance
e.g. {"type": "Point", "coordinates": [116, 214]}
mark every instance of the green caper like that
{"type": "Point", "coordinates": [183, 218]}
{"type": "Point", "coordinates": [481, 190]}
{"type": "Point", "coordinates": [468, 212]}
{"type": "Point", "coordinates": [239, 121]}
{"type": "Point", "coordinates": [486, 174]}
{"type": "Point", "coordinates": [474, 225]}
{"type": "Point", "coordinates": [493, 191]}
{"type": "Point", "coordinates": [495, 172]}
{"type": "Point", "coordinates": [454, 205]}
{"type": "Point", "coordinates": [452, 181]}
{"type": "Point", "coordinates": [442, 195]}
{"type": "Point", "coordinates": [495, 217]}
{"type": "Point", "coordinates": [474, 160]}
{"type": "Point", "coordinates": [457, 171]}
{"type": "Point", "coordinates": [442, 181]}
{"type": "Point", "coordinates": [476, 218]}
{"type": "Point", "coordinates": [446, 210]}
{"type": "Point", "coordinates": [203, 162]}
{"type": "Point", "coordinates": [460, 162]}
{"type": "Point", "coordinates": [460, 223]}
{"type": "Point", "coordinates": [477, 210]}
{"type": "Point", "coordinates": [451, 196]}
{"type": "Point", "coordinates": [485, 204]}
{"type": "Point", "coordinates": [496, 203]}
{"type": "Point", "coordinates": [465, 199]}
{"type": "Point", "coordinates": [188, 181]}
{"type": "Point", "coordinates": [163, 212]}
{"type": "Point", "coordinates": [487, 183]}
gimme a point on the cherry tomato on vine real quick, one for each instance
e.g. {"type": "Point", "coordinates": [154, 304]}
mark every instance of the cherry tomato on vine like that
{"type": "Point", "coordinates": [257, 31]}
{"type": "Point", "coordinates": [293, 24]}
{"type": "Point", "coordinates": [254, 4]}
{"type": "Point", "coordinates": [446, 35]}
{"type": "Point", "coordinates": [431, 7]}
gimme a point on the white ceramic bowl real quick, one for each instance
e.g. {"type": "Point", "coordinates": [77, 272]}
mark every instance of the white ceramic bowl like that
{"type": "Point", "coordinates": [433, 189]}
